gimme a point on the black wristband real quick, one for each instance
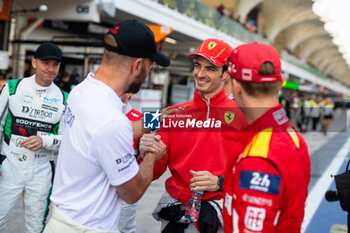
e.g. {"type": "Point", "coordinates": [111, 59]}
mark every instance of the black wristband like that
{"type": "Point", "coordinates": [220, 183]}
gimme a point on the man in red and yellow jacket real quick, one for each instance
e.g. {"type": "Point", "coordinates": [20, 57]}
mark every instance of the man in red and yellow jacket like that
{"type": "Point", "coordinates": [266, 188]}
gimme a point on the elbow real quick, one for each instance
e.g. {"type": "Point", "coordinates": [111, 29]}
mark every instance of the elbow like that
{"type": "Point", "coordinates": [133, 198]}
{"type": "Point", "coordinates": [131, 201]}
{"type": "Point", "coordinates": [130, 195]}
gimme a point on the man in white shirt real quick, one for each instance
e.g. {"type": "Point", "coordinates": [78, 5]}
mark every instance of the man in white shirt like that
{"type": "Point", "coordinates": [96, 168]}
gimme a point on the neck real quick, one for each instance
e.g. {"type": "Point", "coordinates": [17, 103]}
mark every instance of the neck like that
{"type": "Point", "coordinates": [207, 96]}
{"type": "Point", "coordinates": [114, 78]}
{"type": "Point", "coordinates": [254, 107]}
{"type": "Point", "coordinates": [42, 83]}
{"type": "Point", "coordinates": [229, 88]}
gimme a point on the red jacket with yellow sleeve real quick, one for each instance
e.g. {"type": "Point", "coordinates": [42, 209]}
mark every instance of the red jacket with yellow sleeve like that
{"type": "Point", "coordinates": [266, 188]}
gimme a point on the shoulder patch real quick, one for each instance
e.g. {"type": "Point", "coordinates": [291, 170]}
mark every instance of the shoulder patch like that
{"type": "Point", "coordinates": [259, 146]}
{"type": "Point", "coordinates": [260, 181]}
{"type": "Point", "coordinates": [280, 116]}
{"type": "Point", "coordinates": [294, 136]}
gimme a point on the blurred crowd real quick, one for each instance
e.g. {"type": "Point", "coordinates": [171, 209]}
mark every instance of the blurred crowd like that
{"type": "Point", "coordinates": [249, 24]}
{"type": "Point", "coordinates": [66, 81]}
{"type": "Point", "coordinates": [309, 112]}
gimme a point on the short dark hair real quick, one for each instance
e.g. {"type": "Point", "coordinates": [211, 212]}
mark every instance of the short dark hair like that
{"type": "Point", "coordinates": [262, 89]}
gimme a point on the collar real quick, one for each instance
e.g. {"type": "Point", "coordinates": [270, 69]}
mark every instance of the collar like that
{"type": "Point", "coordinates": [105, 90]}
{"type": "Point", "coordinates": [274, 117]}
{"type": "Point", "coordinates": [217, 100]}
{"type": "Point", "coordinates": [38, 89]}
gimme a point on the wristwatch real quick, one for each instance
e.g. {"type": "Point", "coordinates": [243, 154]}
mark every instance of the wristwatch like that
{"type": "Point", "coordinates": [220, 183]}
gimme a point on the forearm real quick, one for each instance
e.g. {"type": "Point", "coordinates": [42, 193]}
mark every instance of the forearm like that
{"type": "Point", "coordinates": [133, 190]}
{"type": "Point", "coordinates": [147, 170]}
{"type": "Point", "coordinates": [51, 141]}
{"type": "Point", "coordinates": [160, 167]}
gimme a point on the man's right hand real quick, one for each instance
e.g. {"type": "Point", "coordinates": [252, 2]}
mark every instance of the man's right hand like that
{"type": "Point", "coordinates": [0, 172]}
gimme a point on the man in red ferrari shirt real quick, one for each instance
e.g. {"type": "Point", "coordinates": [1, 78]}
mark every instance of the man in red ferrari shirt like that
{"type": "Point", "coordinates": [266, 188]}
{"type": "Point", "coordinates": [198, 140]}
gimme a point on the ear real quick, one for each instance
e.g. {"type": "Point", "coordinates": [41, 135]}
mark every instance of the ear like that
{"type": "Point", "coordinates": [225, 76]}
{"type": "Point", "coordinates": [128, 96]}
{"type": "Point", "coordinates": [34, 63]}
{"type": "Point", "coordinates": [136, 66]}
{"type": "Point", "coordinates": [237, 88]}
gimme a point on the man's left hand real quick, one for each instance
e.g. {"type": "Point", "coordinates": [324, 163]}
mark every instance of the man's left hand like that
{"type": "Point", "coordinates": [204, 181]}
{"type": "Point", "coordinates": [32, 143]}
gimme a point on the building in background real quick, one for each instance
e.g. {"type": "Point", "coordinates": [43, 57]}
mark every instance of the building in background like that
{"type": "Point", "coordinates": [309, 57]}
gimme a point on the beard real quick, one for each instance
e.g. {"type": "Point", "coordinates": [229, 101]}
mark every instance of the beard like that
{"type": "Point", "coordinates": [134, 87]}
{"type": "Point", "coordinates": [136, 84]}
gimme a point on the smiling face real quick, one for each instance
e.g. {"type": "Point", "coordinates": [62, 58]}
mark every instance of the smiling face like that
{"type": "Point", "coordinates": [45, 71]}
{"type": "Point", "coordinates": [208, 77]}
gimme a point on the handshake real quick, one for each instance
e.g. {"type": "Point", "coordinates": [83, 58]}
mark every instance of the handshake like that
{"type": "Point", "coordinates": [151, 144]}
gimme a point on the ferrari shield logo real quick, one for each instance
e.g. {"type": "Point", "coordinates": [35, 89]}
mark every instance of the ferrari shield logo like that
{"type": "Point", "coordinates": [229, 116]}
{"type": "Point", "coordinates": [211, 45]}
